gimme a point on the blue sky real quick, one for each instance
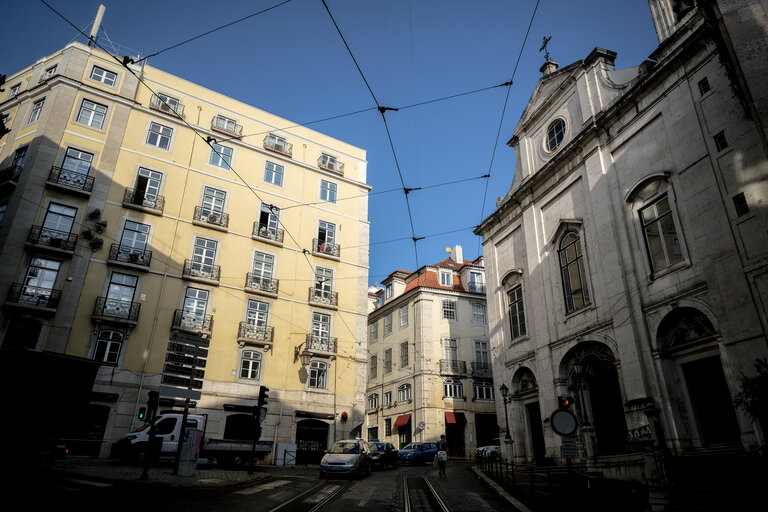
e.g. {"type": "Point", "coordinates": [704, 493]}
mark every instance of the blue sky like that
{"type": "Point", "coordinates": [290, 61]}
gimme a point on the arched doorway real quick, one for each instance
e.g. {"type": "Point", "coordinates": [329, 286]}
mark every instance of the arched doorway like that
{"type": "Point", "coordinates": [526, 391]}
{"type": "Point", "coordinates": [690, 343]}
{"type": "Point", "coordinates": [594, 384]}
{"type": "Point", "coordinates": [311, 441]}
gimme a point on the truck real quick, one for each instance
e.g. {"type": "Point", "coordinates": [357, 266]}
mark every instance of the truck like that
{"type": "Point", "coordinates": [224, 452]}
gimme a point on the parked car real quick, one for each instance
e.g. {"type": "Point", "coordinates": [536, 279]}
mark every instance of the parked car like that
{"type": "Point", "coordinates": [417, 453]}
{"type": "Point", "coordinates": [492, 452]}
{"type": "Point", "coordinates": [347, 457]}
{"type": "Point", "coordinates": [383, 455]}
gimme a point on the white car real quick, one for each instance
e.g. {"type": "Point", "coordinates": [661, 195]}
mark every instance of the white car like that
{"type": "Point", "coordinates": [492, 452]}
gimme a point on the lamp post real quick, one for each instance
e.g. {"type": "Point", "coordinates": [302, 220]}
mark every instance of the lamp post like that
{"type": "Point", "coordinates": [504, 392]}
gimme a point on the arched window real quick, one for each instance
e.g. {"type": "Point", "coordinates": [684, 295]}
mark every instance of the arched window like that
{"type": "Point", "coordinates": [108, 346]}
{"type": "Point", "coordinates": [250, 367]}
{"type": "Point", "coordinates": [555, 134]}
{"type": "Point", "coordinates": [453, 388]}
{"type": "Point", "coordinates": [572, 271]}
{"type": "Point", "coordinates": [404, 393]}
{"type": "Point", "coordinates": [373, 401]}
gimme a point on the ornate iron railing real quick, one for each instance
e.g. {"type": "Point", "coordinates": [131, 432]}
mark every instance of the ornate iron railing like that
{"type": "Point", "coordinates": [117, 309]}
{"type": "Point", "coordinates": [201, 270]}
{"type": "Point", "coordinates": [140, 198]}
{"type": "Point", "coordinates": [327, 248]}
{"type": "Point", "coordinates": [173, 109]}
{"type": "Point", "coordinates": [203, 214]}
{"type": "Point", "coordinates": [127, 254]}
{"type": "Point", "coordinates": [191, 321]}
{"type": "Point", "coordinates": [71, 179]}
{"type": "Point", "coordinates": [261, 284]}
{"type": "Point", "coordinates": [322, 343]}
{"type": "Point", "coordinates": [324, 297]}
{"type": "Point", "coordinates": [279, 145]}
{"type": "Point", "coordinates": [268, 233]}
{"type": "Point", "coordinates": [223, 124]}
{"type": "Point", "coordinates": [250, 332]}
{"type": "Point", "coordinates": [481, 369]}
{"type": "Point", "coordinates": [34, 295]}
{"type": "Point", "coordinates": [40, 235]}
{"type": "Point", "coordinates": [454, 367]}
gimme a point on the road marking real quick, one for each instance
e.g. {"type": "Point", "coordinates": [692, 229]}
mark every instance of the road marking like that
{"type": "Point", "coordinates": [262, 487]}
{"type": "Point", "coordinates": [89, 483]}
{"type": "Point", "coordinates": [322, 494]}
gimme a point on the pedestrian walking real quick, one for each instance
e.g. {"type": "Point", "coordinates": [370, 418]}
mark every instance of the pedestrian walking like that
{"type": "Point", "coordinates": [442, 455]}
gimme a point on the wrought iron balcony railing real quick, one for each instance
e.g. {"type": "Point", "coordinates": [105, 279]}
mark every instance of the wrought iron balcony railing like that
{"type": "Point", "coordinates": [321, 343]}
{"type": "Point", "coordinates": [268, 233]}
{"type": "Point", "coordinates": [173, 108]}
{"type": "Point", "coordinates": [477, 287]}
{"type": "Point", "coordinates": [323, 297]}
{"type": "Point", "coordinates": [330, 165]}
{"type": "Point", "coordinates": [258, 283]}
{"type": "Point", "coordinates": [203, 214]}
{"type": "Point", "coordinates": [226, 125]}
{"type": "Point", "coordinates": [453, 367]}
{"type": "Point", "coordinates": [126, 254]}
{"type": "Point", "coordinates": [20, 293]}
{"type": "Point", "coordinates": [326, 248]}
{"type": "Point", "coordinates": [140, 198]}
{"type": "Point", "coordinates": [39, 235]}
{"type": "Point", "coordinates": [191, 321]}
{"type": "Point", "coordinates": [279, 145]}
{"type": "Point", "coordinates": [481, 369]}
{"type": "Point", "coordinates": [71, 179]}
{"type": "Point", "coordinates": [253, 333]}
{"type": "Point", "coordinates": [196, 269]}
{"type": "Point", "coordinates": [117, 309]}
{"type": "Point", "coordinates": [10, 174]}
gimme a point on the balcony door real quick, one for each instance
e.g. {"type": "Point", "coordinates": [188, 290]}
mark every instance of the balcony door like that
{"type": "Point", "coordinates": [147, 187]}
{"type": "Point", "coordinates": [204, 257]}
{"type": "Point", "coordinates": [120, 294]}
{"type": "Point", "coordinates": [269, 220]}
{"type": "Point", "coordinates": [195, 306]}
{"type": "Point", "coordinates": [134, 239]}
{"type": "Point", "coordinates": [256, 318]}
{"type": "Point", "coordinates": [323, 282]}
{"type": "Point", "coordinates": [213, 201]}
{"type": "Point", "coordinates": [40, 279]}
{"type": "Point", "coordinates": [58, 222]}
{"type": "Point", "coordinates": [76, 166]}
{"type": "Point", "coordinates": [321, 331]}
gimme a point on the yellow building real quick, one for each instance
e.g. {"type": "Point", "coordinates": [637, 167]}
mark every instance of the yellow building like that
{"type": "Point", "coordinates": [429, 369]}
{"type": "Point", "coordinates": [136, 204]}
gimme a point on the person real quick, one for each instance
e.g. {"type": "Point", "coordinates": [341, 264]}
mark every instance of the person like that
{"type": "Point", "coordinates": [442, 455]}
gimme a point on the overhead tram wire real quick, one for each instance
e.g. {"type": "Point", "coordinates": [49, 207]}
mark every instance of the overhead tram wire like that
{"type": "Point", "coordinates": [382, 110]}
{"type": "Point", "coordinates": [503, 112]}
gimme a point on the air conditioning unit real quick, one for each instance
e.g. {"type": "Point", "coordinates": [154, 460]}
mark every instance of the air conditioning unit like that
{"type": "Point", "coordinates": [214, 217]}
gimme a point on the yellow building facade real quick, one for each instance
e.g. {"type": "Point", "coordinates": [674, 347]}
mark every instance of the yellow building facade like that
{"type": "Point", "coordinates": [160, 206]}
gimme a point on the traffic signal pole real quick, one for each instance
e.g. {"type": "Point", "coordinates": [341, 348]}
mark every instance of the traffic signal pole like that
{"type": "Point", "coordinates": [263, 390]}
{"type": "Point", "coordinates": [181, 433]}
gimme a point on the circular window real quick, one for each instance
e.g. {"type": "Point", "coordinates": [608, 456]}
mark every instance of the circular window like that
{"type": "Point", "coordinates": [555, 134]}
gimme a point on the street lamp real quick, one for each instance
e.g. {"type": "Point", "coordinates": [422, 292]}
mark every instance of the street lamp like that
{"type": "Point", "coordinates": [305, 355]}
{"type": "Point", "coordinates": [504, 392]}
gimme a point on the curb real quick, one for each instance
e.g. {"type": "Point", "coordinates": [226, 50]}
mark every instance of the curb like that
{"type": "Point", "coordinates": [504, 494]}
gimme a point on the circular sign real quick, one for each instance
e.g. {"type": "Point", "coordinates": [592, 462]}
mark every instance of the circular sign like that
{"type": "Point", "coordinates": [563, 422]}
{"type": "Point", "coordinates": [422, 425]}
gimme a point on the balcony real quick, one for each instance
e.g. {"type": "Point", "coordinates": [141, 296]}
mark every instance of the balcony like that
{"type": "Point", "coordinates": [330, 165]}
{"type": "Point", "coordinates": [278, 145]}
{"type": "Point", "coordinates": [52, 240]}
{"type": "Point", "coordinates": [477, 287]}
{"type": "Point", "coordinates": [261, 285]}
{"type": "Point", "coordinates": [267, 234]}
{"type": "Point", "coordinates": [321, 345]}
{"type": "Point", "coordinates": [481, 370]}
{"type": "Point", "coordinates": [191, 322]}
{"type": "Point", "coordinates": [326, 249]}
{"type": "Point", "coordinates": [201, 272]}
{"type": "Point", "coordinates": [129, 256]}
{"type": "Point", "coordinates": [324, 298]}
{"type": "Point", "coordinates": [254, 335]}
{"type": "Point", "coordinates": [120, 311]}
{"type": "Point", "coordinates": [34, 297]}
{"type": "Point", "coordinates": [9, 177]}
{"type": "Point", "coordinates": [451, 367]}
{"type": "Point", "coordinates": [70, 181]}
{"type": "Point", "coordinates": [174, 108]}
{"type": "Point", "coordinates": [209, 218]}
{"type": "Point", "coordinates": [140, 200]}
{"type": "Point", "coordinates": [223, 124]}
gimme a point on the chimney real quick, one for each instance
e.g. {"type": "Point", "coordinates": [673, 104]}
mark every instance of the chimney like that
{"type": "Point", "coordinates": [549, 67]}
{"type": "Point", "coordinates": [456, 254]}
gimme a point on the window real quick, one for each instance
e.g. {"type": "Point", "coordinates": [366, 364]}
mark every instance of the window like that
{"type": "Point", "coordinates": [225, 124]}
{"type": "Point", "coordinates": [103, 76]}
{"type": "Point", "coordinates": [321, 331]}
{"type": "Point", "coordinates": [483, 390]}
{"type": "Point", "coordinates": [159, 135]}
{"type": "Point", "coordinates": [482, 354]}
{"type": "Point", "coordinates": [122, 289]}
{"type": "Point", "coordinates": [48, 73]}
{"type": "Point", "coordinates": [147, 187]}
{"type": "Point", "coordinates": [108, 347]}
{"type": "Point", "coordinates": [263, 266]}
{"type": "Point", "coordinates": [3, 208]}
{"type": "Point", "coordinates": [373, 401]}
{"type": "Point", "coordinates": [14, 90]}
{"type": "Point", "coordinates": [446, 278]}
{"type": "Point", "coordinates": [250, 365]}
{"type": "Point", "coordinates": [404, 393]}
{"type": "Point", "coordinates": [213, 202]}
{"type": "Point", "coordinates": [404, 315]}
{"type": "Point", "coordinates": [328, 191]}
{"type": "Point", "coordinates": [388, 426]}
{"type": "Point", "coordinates": [204, 257]}
{"type": "Point", "coordinates": [479, 314]}
{"type": "Point", "coordinates": [269, 220]}
{"type": "Point", "coordinates": [449, 310]}
{"type": "Point", "coordinates": [39, 282]}
{"type": "Point", "coordinates": [720, 141]}
{"type": "Point", "coordinates": [388, 361]}
{"type": "Point", "coordinates": [374, 362]}
{"type": "Point", "coordinates": [18, 157]}
{"type": "Point", "coordinates": [388, 324]}
{"type": "Point", "coordinates": [273, 173]}
{"type": "Point", "coordinates": [37, 108]}
{"type": "Point", "coordinates": [373, 434]}
{"type": "Point", "coordinates": [58, 222]}
{"type": "Point", "coordinates": [324, 283]}
{"type": "Point", "coordinates": [572, 271]}
{"type": "Point", "coordinates": [329, 162]}
{"type": "Point", "coordinates": [134, 239]}
{"type": "Point", "coordinates": [387, 398]}
{"type": "Point", "coordinates": [92, 114]}
{"type": "Point", "coordinates": [195, 306]}
{"type": "Point", "coordinates": [451, 349]}
{"type": "Point", "coordinates": [516, 312]}
{"type": "Point", "coordinates": [256, 317]}
{"type": "Point", "coordinates": [740, 202]}
{"type": "Point", "coordinates": [388, 291]}
{"type": "Point", "coordinates": [661, 235]}
{"type": "Point", "coordinates": [452, 388]}
{"type": "Point", "coordinates": [477, 282]}
{"type": "Point", "coordinates": [703, 86]}
{"type": "Point", "coordinates": [374, 333]}
{"type": "Point", "coordinates": [555, 134]}
{"type": "Point", "coordinates": [318, 375]}
{"type": "Point", "coordinates": [326, 233]}
{"type": "Point", "coordinates": [221, 156]}
{"type": "Point", "coordinates": [75, 168]}
{"type": "Point", "coordinates": [277, 143]}
{"type": "Point", "coordinates": [167, 103]}
{"type": "Point", "coordinates": [404, 354]}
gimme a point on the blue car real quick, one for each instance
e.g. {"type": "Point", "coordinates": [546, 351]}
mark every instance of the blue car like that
{"type": "Point", "coordinates": [417, 453]}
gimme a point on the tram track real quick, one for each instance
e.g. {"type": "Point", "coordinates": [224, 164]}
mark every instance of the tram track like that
{"type": "Point", "coordinates": [421, 496]}
{"type": "Point", "coordinates": [314, 498]}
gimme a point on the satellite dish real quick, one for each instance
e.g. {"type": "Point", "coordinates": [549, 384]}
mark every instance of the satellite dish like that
{"type": "Point", "coordinates": [448, 249]}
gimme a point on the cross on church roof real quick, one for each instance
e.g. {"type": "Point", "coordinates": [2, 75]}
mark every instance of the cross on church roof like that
{"type": "Point", "coordinates": [545, 49]}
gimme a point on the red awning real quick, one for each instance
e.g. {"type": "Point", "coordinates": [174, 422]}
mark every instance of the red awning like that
{"type": "Point", "coordinates": [455, 417]}
{"type": "Point", "coordinates": [402, 420]}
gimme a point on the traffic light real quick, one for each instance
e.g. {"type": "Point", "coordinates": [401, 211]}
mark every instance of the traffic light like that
{"type": "Point", "coordinates": [564, 402]}
{"type": "Point", "coordinates": [263, 396]}
{"type": "Point", "coordinates": [143, 413]}
{"type": "Point", "coordinates": [152, 403]}
{"type": "Point", "coordinates": [255, 412]}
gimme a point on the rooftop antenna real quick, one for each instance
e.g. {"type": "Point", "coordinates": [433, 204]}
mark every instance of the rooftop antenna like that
{"type": "Point", "coordinates": [96, 25]}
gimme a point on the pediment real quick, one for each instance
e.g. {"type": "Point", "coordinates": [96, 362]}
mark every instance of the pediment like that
{"type": "Point", "coordinates": [565, 225]}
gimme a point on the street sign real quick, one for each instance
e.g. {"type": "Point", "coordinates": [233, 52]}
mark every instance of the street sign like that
{"type": "Point", "coordinates": [187, 349]}
{"type": "Point", "coordinates": [194, 339]}
{"type": "Point", "coordinates": [569, 450]}
{"type": "Point", "coordinates": [421, 425]}
{"type": "Point", "coordinates": [175, 357]}
{"type": "Point", "coordinates": [180, 393]}
{"type": "Point", "coordinates": [563, 422]}
{"type": "Point", "coordinates": [173, 380]}
{"type": "Point", "coordinates": [171, 402]}
{"type": "Point", "coordinates": [183, 370]}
